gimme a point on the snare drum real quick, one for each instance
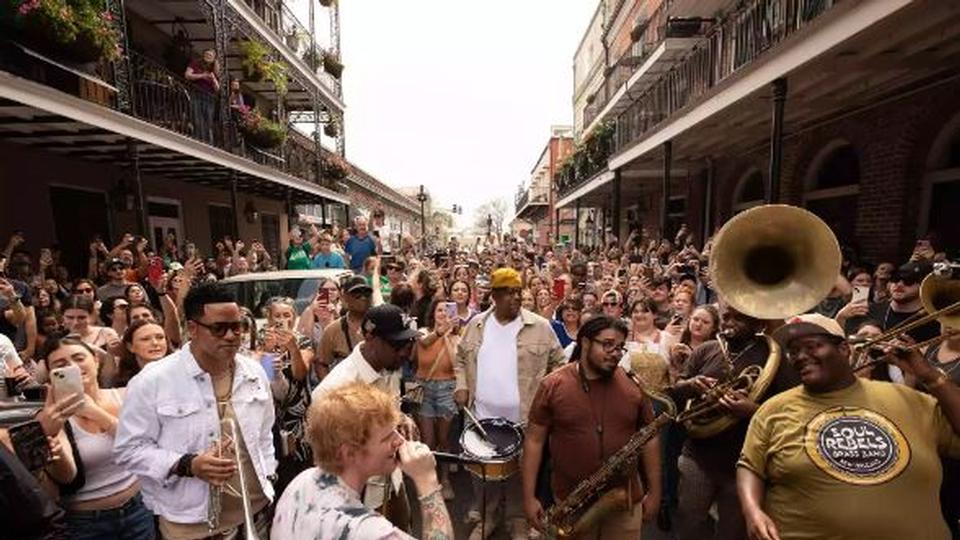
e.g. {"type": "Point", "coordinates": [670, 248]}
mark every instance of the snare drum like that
{"type": "Point", "coordinates": [499, 456]}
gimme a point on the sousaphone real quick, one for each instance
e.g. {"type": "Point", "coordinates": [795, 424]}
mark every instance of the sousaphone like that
{"type": "Point", "coordinates": [769, 262]}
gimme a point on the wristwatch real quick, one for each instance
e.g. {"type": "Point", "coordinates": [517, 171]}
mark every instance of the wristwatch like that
{"type": "Point", "coordinates": [182, 468]}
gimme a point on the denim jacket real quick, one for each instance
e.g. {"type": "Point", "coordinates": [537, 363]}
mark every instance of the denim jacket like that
{"type": "Point", "coordinates": [170, 410]}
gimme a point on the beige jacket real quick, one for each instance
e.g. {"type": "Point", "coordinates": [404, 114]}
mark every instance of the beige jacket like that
{"type": "Point", "coordinates": [538, 353]}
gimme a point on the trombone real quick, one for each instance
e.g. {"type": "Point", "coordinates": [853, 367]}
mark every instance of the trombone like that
{"type": "Point", "coordinates": [228, 427]}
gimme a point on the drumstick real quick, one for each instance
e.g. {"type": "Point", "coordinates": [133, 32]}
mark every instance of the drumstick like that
{"type": "Point", "coordinates": [476, 423]}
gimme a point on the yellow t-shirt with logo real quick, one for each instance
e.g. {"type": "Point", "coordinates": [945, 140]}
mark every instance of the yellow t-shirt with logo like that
{"type": "Point", "coordinates": [855, 464]}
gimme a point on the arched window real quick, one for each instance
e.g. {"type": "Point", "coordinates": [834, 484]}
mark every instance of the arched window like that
{"type": "Point", "coordinates": [749, 191]}
{"type": "Point", "coordinates": [833, 188]}
{"type": "Point", "coordinates": [941, 186]}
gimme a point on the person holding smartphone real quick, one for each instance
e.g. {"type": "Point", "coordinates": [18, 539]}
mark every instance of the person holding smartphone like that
{"type": "Point", "coordinates": [105, 502]}
{"type": "Point", "coordinates": [433, 357]}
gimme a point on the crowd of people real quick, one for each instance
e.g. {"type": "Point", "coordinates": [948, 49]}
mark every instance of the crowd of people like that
{"type": "Point", "coordinates": [194, 420]}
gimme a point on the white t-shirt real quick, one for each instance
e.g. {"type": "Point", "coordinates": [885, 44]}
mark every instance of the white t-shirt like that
{"type": "Point", "coordinates": [498, 392]}
{"type": "Point", "coordinates": [8, 354]}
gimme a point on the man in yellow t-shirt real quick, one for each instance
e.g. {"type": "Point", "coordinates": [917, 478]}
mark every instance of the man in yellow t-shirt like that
{"type": "Point", "coordinates": [847, 458]}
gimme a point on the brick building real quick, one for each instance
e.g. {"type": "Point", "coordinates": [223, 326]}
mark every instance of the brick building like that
{"type": "Point", "coordinates": [869, 128]}
{"type": "Point", "coordinates": [535, 203]}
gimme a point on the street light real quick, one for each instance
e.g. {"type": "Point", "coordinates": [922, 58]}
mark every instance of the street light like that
{"type": "Point", "coordinates": [422, 197]}
{"type": "Point", "coordinates": [489, 224]}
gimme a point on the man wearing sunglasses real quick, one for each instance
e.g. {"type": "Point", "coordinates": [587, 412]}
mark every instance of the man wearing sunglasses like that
{"type": "Point", "coordinates": [343, 335]}
{"type": "Point", "coordinates": [904, 301]}
{"type": "Point", "coordinates": [388, 339]}
{"type": "Point", "coordinates": [170, 435]}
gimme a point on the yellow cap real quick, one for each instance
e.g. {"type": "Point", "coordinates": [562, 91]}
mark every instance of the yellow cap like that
{"type": "Point", "coordinates": [505, 278]}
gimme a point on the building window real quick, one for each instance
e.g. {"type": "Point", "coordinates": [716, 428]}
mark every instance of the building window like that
{"type": "Point", "coordinates": [750, 191]}
{"type": "Point", "coordinates": [941, 189]}
{"type": "Point", "coordinates": [676, 213]}
{"type": "Point", "coordinates": [833, 189]}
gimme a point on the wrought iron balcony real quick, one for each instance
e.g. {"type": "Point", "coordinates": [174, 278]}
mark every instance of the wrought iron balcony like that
{"type": "Point", "coordinates": [589, 159]}
{"type": "Point", "coordinates": [743, 36]}
{"type": "Point", "coordinates": [527, 199]}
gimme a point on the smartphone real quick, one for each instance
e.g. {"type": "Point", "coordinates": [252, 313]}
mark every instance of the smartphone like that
{"type": "Point", "coordinates": [860, 293]}
{"type": "Point", "coordinates": [155, 269]}
{"type": "Point", "coordinates": [30, 444]}
{"type": "Point", "coordinates": [451, 308]}
{"type": "Point", "coordinates": [66, 381]}
{"type": "Point", "coordinates": [323, 296]}
{"type": "Point", "coordinates": [266, 360]}
{"type": "Point", "coordinates": [559, 287]}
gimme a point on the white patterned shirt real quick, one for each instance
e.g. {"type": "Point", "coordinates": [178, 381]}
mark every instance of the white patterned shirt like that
{"type": "Point", "coordinates": [320, 505]}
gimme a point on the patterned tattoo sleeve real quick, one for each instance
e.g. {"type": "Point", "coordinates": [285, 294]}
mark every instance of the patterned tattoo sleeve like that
{"type": "Point", "coordinates": [436, 519]}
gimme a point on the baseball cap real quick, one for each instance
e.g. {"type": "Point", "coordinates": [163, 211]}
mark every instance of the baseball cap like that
{"type": "Point", "coordinates": [389, 322]}
{"type": "Point", "coordinates": [355, 284]}
{"type": "Point", "coordinates": [912, 272]}
{"type": "Point", "coordinates": [808, 324]}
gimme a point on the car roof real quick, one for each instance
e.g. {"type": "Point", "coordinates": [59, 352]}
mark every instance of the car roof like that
{"type": "Point", "coordinates": [334, 273]}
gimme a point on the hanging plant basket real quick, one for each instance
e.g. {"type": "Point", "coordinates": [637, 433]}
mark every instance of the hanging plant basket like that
{"type": "Point", "coordinates": [332, 66]}
{"type": "Point", "coordinates": [326, 3]}
{"type": "Point", "coordinates": [260, 131]}
{"type": "Point", "coordinates": [253, 73]}
{"type": "Point", "coordinates": [331, 129]}
{"type": "Point", "coordinates": [74, 32]}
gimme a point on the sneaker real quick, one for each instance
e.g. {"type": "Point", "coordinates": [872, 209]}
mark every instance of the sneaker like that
{"type": "Point", "coordinates": [447, 492]}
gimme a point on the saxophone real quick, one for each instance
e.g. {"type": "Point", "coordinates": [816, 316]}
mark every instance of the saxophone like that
{"type": "Point", "coordinates": [592, 499]}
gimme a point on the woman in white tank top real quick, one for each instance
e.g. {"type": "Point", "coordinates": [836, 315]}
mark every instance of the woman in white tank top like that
{"type": "Point", "coordinates": [104, 502]}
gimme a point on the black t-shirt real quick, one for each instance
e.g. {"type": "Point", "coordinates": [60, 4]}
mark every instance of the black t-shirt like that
{"type": "Point", "coordinates": [21, 288]}
{"type": "Point", "coordinates": [719, 454]}
{"type": "Point", "coordinates": [884, 314]}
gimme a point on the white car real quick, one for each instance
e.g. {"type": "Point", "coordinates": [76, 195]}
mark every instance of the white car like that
{"type": "Point", "coordinates": [253, 290]}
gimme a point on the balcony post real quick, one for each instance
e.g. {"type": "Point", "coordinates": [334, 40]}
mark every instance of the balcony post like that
{"type": "Point", "coordinates": [235, 205]}
{"type": "Point", "coordinates": [617, 186]}
{"type": "Point", "coordinates": [556, 226]}
{"type": "Point", "coordinates": [140, 206]}
{"type": "Point", "coordinates": [665, 187]}
{"type": "Point", "coordinates": [779, 87]}
{"type": "Point", "coordinates": [708, 201]}
{"type": "Point", "coordinates": [576, 227]}
{"type": "Point", "coordinates": [221, 39]}
{"type": "Point", "coordinates": [323, 212]}
{"type": "Point", "coordinates": [121, 66]}
{"type": "Point", "coordinates": [291, 210]}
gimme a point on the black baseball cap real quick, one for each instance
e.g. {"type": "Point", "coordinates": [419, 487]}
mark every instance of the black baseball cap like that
{"type": "Point", "coordinates": [354, 284]}
{"type": "Point", "coordinates": [912, 272]}
{"type": "Point", "coordinates": [389, 322]}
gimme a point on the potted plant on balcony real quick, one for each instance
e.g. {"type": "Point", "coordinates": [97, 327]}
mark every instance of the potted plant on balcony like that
{"type": "Point", "coordinates": [295, 37]}
{"type": "Point", "coordinates": [258, 130]}
{"type": "Point", "coordinates": [332, 65]}
{"type": "Point", "coordinates": [326, 3]}
{"type": "Point", "coordinates": [334, 166]}
{"type": "Point", "coordinates": [79, 31]}
{"type": "Point", "coordinates": [253, 56]}
{"type": "Point", "coordinates": [331, 129]}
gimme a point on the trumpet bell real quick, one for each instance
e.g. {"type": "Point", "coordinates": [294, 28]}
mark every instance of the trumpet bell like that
{"type": "Point", "coordinates": [774, 261]}
{"type": "Point", "coordinates": [939, 293]}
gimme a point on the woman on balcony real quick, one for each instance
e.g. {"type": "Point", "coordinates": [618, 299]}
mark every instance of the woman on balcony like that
{"type": "Point", "coordinates": [202, 72]}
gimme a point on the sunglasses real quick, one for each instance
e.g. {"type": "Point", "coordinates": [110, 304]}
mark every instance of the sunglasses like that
{"type": "Point", "coordinates": [611, 304]}
{"type": "Point", "coordinates": [84, 290]}
{"type": "Point", "coordinates": [908, 281]}
{"type": "Point", "coordinates": [219, 329]}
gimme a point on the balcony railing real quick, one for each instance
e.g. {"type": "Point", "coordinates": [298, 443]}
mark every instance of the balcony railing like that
{"type": "Point", "coordinates": [296, 36]}
{"type": "Point", "coordinates": [738, 40]}
{"type": "Point", "coordinates": [532, 195]}
{"type": "Point", "coordinates": [589, 159]}
{"type": "Point", "coordinates": [167, 100]}
{"type": "Point", "coordinates": [646, 37]}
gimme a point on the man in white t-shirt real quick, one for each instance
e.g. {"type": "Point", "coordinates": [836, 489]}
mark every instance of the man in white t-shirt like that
{"type": "Point", "coordinates": [503, 355]}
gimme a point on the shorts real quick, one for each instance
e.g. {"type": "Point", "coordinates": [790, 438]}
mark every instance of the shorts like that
{"type": "Point", "coordinates": [438, 399]}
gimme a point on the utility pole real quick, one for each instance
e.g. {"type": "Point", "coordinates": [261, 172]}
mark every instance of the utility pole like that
{"type": "Point", "coordinates": [422, 197]}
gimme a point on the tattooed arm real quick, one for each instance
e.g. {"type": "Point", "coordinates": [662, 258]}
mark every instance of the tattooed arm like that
{"type": "Point", "coordinates": [418, 463]}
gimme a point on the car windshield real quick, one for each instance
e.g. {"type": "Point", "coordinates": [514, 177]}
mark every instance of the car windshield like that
{"type": "Point", "coordinates": [255, 294]}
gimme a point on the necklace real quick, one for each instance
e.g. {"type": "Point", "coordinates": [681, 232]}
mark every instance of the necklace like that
{"type": "Point", "coordinates": [223, 400]}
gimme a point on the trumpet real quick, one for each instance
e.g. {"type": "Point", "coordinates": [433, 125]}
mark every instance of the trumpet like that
{"type": "Point", "coordinates": [875, 352]}
{"type": "Point", "coordinates": [228, 427]}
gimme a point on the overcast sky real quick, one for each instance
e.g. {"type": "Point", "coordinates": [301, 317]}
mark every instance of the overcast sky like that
{"type": "Point", "coordinates": [458, 95]}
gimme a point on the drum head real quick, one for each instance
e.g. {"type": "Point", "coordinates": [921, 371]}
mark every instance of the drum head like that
{"type": "Point", "coordinates": [504, 439]}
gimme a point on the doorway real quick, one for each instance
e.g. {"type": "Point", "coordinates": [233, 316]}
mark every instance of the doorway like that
{"type": "Point", "coordinates": [79, 215]}
{"type": "Point", "coordinates": [164, 219]}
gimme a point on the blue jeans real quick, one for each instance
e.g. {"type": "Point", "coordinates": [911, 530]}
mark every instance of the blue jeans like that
{"type": "Point", "coordinates": [438, 399]}
{"type": "Point", "coordinates": [132, 521]}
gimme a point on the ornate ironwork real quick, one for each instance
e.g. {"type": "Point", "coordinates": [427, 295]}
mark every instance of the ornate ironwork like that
{"type": "Point", "coordinates": [121, 66]}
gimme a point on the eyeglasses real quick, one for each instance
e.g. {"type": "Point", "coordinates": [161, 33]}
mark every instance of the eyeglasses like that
{"type": "Point", "coordinates": [85, 290]}
{"type": "Point", "coordinates": [611, 346]}
{"type": "Point", "coordinates": [219, 329]}
{"type": "Point", "coordinates": [611, 304]}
